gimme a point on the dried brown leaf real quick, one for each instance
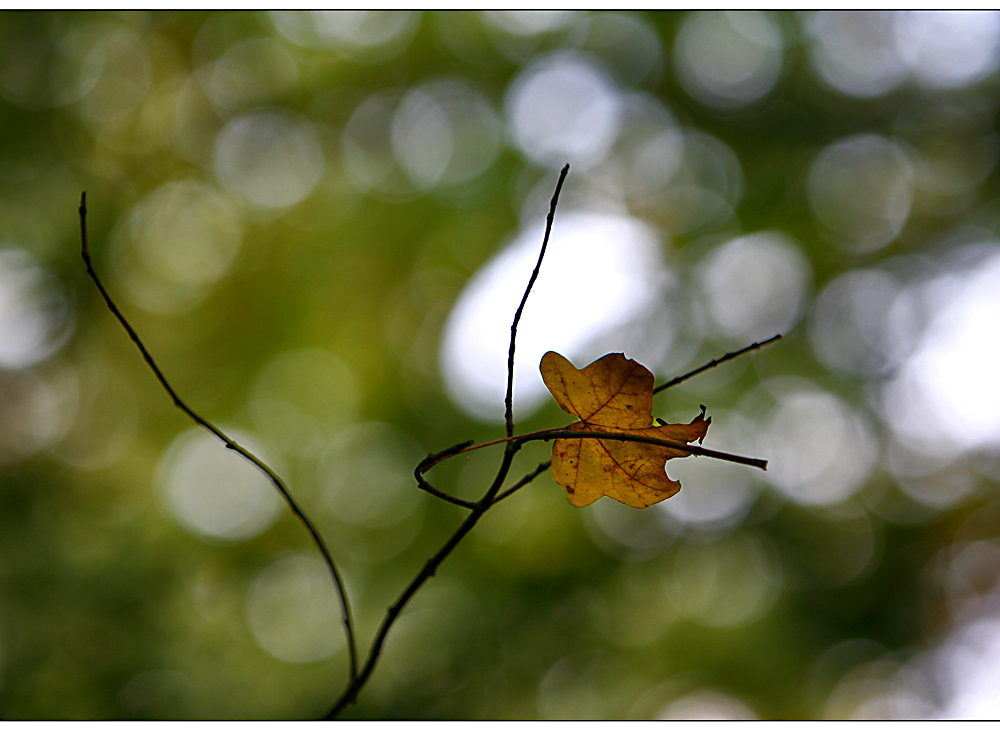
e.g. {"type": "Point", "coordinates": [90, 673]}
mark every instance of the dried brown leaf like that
{"type": "Point", "coordinates": [613, 395]}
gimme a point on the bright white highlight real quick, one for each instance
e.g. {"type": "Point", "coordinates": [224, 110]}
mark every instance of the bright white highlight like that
{"type": "Point", "coordinates": [946, 397]}
{"type": "Point", "coordinates": [599, 273]}
{"type": "Point", "coordinates": [730, 59]}
{"type": "Point", "coordinates": [292, 610]}
{"type": "Point", "coordinates": [273, 159]}
{"type": "Point", "coordinates": [213, 492]}
{"type": "Point", "coordinates": [35, 320]}
{"type": "Point", "coordinates": [755, 286]}
{"type": "Point", "coordinates": [563, 108]}
{"type": "Point", "coordinates": [820, 450]}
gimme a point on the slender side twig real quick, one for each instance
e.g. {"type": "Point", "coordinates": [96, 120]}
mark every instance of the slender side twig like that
{"type": "Point", "coordinates": [717, 361]}
{"type": "Point", "coordinates": [509, 399]}
{"type": "Point", "coordinates": [230, 444]}
{"type": "Point", "coordinates": [523, 481]}
{"type": "Point", "coordinates": [479, 508]}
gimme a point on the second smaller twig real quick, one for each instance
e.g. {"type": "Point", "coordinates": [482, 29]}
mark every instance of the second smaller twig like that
{"type": "Point", "coordinates": [716, 362]}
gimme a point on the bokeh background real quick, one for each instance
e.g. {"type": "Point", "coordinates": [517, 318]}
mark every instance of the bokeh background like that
{"type": "Point", "coordinates": [321, 224]}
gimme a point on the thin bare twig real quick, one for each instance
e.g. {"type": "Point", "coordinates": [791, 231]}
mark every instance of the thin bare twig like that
{"type": "Point", "coordinates": [509, 399]}
{"type": "Point", "coordinates": [714, 363]}
{"type": "Point", "coordinates": [470, 446]}
{"type": "Point", "coordinates": [230, 444]}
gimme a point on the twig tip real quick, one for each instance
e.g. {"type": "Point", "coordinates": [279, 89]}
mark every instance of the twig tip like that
{"type": "Point", "coordinates": [83, 230]}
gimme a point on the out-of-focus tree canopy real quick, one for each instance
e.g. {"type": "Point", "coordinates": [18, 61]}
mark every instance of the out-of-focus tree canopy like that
{"type": "Point", "coordinates": [321, 224]}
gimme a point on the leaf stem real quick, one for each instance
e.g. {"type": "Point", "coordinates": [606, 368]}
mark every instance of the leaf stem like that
{"type": "Point", "coordinates": [624, 437]}
{"type": "Point", "coordinates": [565, 433]}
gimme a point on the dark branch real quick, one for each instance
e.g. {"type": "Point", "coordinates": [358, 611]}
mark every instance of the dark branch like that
{"type": "Point", "coordinates": [714, 363]}
{"type": "Point", "coordinates": [509, 399]}
{"type": "Point", "coordinates": [230, 444]}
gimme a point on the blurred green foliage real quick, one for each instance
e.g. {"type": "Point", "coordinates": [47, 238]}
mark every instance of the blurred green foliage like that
{"type": "Point", "coordinates": [276, 209]}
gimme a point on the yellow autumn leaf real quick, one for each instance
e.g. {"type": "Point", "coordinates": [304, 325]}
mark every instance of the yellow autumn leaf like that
{"type": "Point", "coordinates": [613, 395]}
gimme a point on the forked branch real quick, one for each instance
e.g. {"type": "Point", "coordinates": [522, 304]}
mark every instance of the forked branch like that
{"type": "Point", "coordinates": [359, 676]}
{"type": "Point", "coordinates": [350, 693]}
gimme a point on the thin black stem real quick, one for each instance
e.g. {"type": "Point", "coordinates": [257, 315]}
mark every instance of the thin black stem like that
{"type": "Point", "coordinates": [509, 399]}
{"type": "Point", "coordinates": [230, 444]}
{"type": "Point", "coordinates": [714, 363]}
{"type": "Point", "coordinates": [523, 481]}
